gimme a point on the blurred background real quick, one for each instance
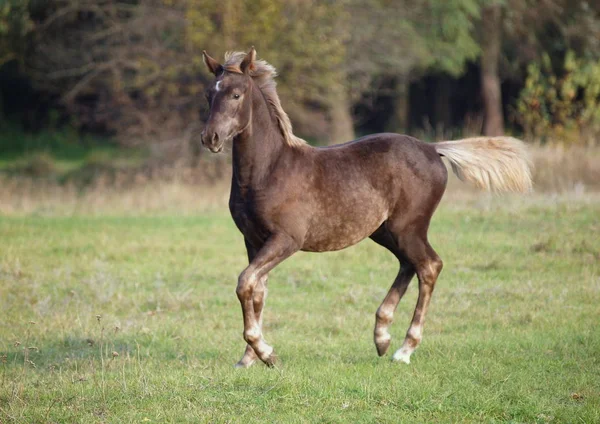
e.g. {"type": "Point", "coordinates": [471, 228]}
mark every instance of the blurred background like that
{"type": "Point", "coordinates": [100, 96]}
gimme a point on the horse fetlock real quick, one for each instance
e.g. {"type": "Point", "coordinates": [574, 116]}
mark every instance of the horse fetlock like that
{"type": "Point", "coordinates": [271, 360]}
{"type": "Point", "coordinates": [252, 336]}
{"type": "Point", "coordinates": [381, 332]}
{"type": "Point", "coordinates": [265, 353]}
{"type": "Point", "coordinates": [411, 341]}
{"type": "Point", "coordinates": [383, 315]}
{"type": "Point", "coordinates": [414, 336]}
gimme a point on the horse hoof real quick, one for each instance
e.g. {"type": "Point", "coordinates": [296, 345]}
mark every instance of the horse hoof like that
{"type": "Point", "coordinates": [382, 347]}
{"type": "Point", "coordinates": [401, 356]}
{"type": "Point", "coordinates": [244, 364]}
{"type": "Point", "coordinates": [272, 360]}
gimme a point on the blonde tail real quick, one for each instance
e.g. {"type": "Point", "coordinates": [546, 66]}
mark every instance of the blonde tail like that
{"type": "Point", "coordinates": [490, 163]}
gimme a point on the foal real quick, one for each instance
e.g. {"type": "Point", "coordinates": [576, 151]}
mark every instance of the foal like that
{"type": "Point", "coordinates": [287, 196]}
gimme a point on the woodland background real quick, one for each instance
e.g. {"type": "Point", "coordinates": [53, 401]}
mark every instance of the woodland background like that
{"type": "Point", "coordinates": [119, 84]}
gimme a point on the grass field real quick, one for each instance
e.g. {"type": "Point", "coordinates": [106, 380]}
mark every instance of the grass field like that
{"type": "Point", "coordinates": [135, 319]}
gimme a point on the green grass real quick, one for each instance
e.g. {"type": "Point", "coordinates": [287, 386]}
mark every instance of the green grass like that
{"type": "Point", "coordinates": [60, 153]}
{"type": "Point", "coordinates": [512, 334]}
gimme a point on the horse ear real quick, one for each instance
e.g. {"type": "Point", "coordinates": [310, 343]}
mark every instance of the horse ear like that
{"type": "Point", "coordinates": [213, 66]}
{"type": "Point", "coordinates": [248, 62]}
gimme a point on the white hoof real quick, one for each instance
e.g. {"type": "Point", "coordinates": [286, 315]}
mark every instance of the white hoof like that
{"type": "Point", "coordinates": [402, 356]}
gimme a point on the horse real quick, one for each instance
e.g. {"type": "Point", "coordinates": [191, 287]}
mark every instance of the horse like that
{"type": "Point", "coordinates": [287, 196]}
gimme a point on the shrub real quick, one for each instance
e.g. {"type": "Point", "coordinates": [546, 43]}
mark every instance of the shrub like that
{"type": "Point", "coordinates": [561, 108]}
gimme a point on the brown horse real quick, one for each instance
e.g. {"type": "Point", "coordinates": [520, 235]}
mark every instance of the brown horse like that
{"type": "Point", "coordinates": [287, 196]}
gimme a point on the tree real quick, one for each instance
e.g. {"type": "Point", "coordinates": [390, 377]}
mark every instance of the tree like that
{"type": "Point", "coordinates": [491, 43]}
{"type": "Point", "coordinates": [118, 66]}
{"type": "Point", "coordinates": [393, 43]}
{"type": "Point", "coordinates": [302, 39]}
{"type": "Point", "coordinates": [516, 33]}
{"type": "Point", "coordinates": [383, 46]}
{"type": "Point", "coordinates": [15, 26]}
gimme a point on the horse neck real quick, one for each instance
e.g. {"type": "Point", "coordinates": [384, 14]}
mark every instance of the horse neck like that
{"type": "Point", "coordinates": [257, 148]}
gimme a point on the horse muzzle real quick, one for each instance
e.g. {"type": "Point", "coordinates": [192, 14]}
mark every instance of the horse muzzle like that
{"type": "Point", "coordinates": [212, 141]}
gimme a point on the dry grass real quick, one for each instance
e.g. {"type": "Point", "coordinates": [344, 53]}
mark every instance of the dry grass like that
{"type": "Point", "coordinates": [564, 169]}
{"type": "Point", "coordinates": [560, 175]}
{"type": "Point", "coordinates": [27, 196]}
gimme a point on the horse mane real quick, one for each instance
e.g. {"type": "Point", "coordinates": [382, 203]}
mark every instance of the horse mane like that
{"type": "Point", "coordinates": [264, 75]}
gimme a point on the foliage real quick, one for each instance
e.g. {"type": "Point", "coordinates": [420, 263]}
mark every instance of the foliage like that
{"type": "Point", "coordinates": [117, 66]}
{"type": "Point", "coordinates": [303, 39]}
{"type": "Point", "coordinates": [404, 39]}
{"type": "Point", "coordinates": [133, 68]}
{"type": "Point", "coordinates": [562, 106]}
{"type": "Point", "coordinates": [15, 26]}
{"type": "Point", "coordinates": [450, 35]}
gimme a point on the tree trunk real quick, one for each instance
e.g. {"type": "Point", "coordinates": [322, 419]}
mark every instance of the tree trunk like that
{"type": "Point", "coordinates": [442, 121]}
{"type": "Point", "coordinates": [491, 21]}
{"type": "Point", "coordinates": [398, 121]}
{"type": "Point", "coordinates": [341, 128]}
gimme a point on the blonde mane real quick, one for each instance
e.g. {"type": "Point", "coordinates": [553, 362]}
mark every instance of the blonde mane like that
{"type": "Point", "coordinates": [264, 75]}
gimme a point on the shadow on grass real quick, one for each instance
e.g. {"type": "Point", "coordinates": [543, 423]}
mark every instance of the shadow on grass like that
{"type": "Point", "coordinates": [73, 352]}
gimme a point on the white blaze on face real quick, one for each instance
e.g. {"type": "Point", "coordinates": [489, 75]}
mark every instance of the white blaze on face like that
{"type": "Point", "coordinates": [217, 86]}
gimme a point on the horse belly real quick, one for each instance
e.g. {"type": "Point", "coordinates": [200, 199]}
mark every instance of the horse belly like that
{"type": "Point", "coordinates": [342, 224]}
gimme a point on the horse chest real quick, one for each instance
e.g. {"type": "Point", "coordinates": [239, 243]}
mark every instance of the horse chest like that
{"type": "Point", "coordinates": [247, 217]}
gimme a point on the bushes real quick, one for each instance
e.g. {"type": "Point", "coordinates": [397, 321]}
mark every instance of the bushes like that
{"type": "Point", "coordinates": [55, 154]}
{"type": "Point", "coordinates": [564, 105]}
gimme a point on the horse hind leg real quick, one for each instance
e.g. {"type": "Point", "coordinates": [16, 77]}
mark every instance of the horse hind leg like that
{"type": "Point", "coordinates": [428, 266]}
{"type": "Point", "coordinates": [385, 313]}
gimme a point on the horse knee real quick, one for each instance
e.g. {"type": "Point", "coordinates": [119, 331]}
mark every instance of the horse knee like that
{"type": "Point", "coordinates": [384, 315]}
{"type": "Point", "coordinates": [246, 283]}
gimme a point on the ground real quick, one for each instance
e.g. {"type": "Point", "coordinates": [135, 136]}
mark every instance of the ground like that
{"type": "Point", "coordinates": [113, 318]}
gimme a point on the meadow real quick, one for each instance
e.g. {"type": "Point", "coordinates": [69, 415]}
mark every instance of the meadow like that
{"type": "Point", "coordinates": [116, 317]}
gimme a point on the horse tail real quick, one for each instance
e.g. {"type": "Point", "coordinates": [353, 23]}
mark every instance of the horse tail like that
{"type": "Point", "coordinates": [491, 163]}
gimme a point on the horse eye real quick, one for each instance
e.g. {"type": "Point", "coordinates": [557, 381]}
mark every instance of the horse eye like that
{"type": "Point", "coordinates": [236, 96]}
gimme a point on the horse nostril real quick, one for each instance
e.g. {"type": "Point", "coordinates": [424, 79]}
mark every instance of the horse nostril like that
{"type": "Point", "coordinates": [215, 138]}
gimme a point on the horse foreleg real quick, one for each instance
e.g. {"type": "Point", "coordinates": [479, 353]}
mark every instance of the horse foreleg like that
{"type": "Point", "coordinates": [277, 248]}
{"type": "Point", "coordinates": [260, 295]}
